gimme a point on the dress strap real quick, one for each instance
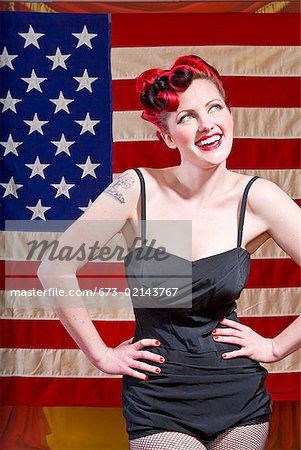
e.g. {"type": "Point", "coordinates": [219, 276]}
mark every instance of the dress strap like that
{"type": "Point", "coordinates": [143, 205]}
{"type": "Point", "coordinates": [243, 210]}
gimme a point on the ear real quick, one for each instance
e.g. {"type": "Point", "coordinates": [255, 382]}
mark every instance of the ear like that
{"type": "Point", "coordinates": [166, 138]}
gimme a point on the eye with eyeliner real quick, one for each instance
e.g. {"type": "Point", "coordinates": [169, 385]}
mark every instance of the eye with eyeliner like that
{"type": "Point", "coordinates": [184, 116]}
{"type": "Point", "coordinates": [216, 104]}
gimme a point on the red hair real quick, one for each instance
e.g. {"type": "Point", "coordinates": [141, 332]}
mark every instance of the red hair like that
{"type": "Point", "coordinates": [159, 88]}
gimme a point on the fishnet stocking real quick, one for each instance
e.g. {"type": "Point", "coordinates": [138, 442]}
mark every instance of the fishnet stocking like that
{"type": "Point", "coordinates": [248, 437]}
{"type": "Point", "coordinates": [167, 440]}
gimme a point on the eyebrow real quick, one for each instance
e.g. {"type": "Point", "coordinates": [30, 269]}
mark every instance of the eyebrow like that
{"type": "Point", "coordinates": [189, 110]}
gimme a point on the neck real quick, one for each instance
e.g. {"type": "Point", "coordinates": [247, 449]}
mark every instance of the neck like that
{"type": "Point", "coordinates": [190, 180]}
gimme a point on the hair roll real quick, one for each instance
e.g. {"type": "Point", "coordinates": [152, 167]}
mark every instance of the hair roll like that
{"type": "Point", "coordinates": [159, 88]}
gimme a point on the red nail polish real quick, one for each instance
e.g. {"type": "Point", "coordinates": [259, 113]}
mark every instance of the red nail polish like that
{"type": "Point", "coordinates": [215, 337]}
{"type": "Point", "coordinates": [146, 377]}
{"type": "Point", "coordinates": [158, 370]}
{"type": "Point", "coordinates": [214, 331]}
{"type": "Point", "coordinates": [224, 355]}
{"type": "Point", "coordinates": [157, 342]}
{"type": "Point", "coordinates": [161, 359]}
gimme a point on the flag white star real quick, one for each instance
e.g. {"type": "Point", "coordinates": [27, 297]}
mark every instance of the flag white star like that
{"type": "Point", "coordinates": [62, 188]}
{"type": "Point", "coordinates": [9, 102]}
{"type": "Point", "coordinates": [87, 124]}
{"type": "Point", "coordinates": [31, 37]}
{"type": "Point", "coordinates": [62, 145]}
{"type": "Point", "coordinates": [37, 168]}
{"type": "Point", "coordinates": [58, 59]}
{"type": "Point", "coordinates": [84, 38]}
{"type": "Point", "coordinates": [36, 124]}
{"type": "Point", "coordinates": [34, 82]}
{"type": "Point", "coordinates": [6, 59]}
{"type": "Point", "coordinates": [84, 208]}
{"type": "Point", "coordinates": [84, 82]}
{"type": "Point", "coordinates": [61, 103]}
{"type": "Point", "coordinates": [11, 188]}
{"type": "Point", "coordinates": [88, 168]}
{"type": "Point", "coordinates": [11, 146]}
{"type": "Point", "coordinates": [38, 210]}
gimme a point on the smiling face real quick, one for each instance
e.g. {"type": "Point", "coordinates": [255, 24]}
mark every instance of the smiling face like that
{"type": "Point", "coordinates": [202, 126]}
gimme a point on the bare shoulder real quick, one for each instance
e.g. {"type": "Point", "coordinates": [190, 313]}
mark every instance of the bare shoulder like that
{"type": "Point", "coordinates": [118, 200]}
{"type": "Point", "coordinates": [124, 186]}
{"type": "Point", "coordinates": [261, 191]}
{"type": "Point", "coordinates": [279, 214]}
{"type": "Point", "coordinates": [239, 179]}
{"type": "Point", "coordinates": [265, 195]}
{"type": "Point", "coordinates": [154, 176]}
{"type": "Point", "coordinates": [156, 172]}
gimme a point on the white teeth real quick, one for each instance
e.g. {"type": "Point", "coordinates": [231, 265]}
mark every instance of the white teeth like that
{"type": "Point", "coordinates": [209, 141]}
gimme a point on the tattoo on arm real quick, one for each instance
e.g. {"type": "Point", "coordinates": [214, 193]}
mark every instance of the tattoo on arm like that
{"type": "Point", "coordinates": [124, 181]}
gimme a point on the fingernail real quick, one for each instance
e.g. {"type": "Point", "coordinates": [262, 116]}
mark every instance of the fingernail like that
{"type": "Point", "coordinates": [161, 359]}
{"type": "Point", "coordinates": [224, 355]}
{"type": "Point", "coordinates": [157, 342]}
{"type": "Point", "coordinates": [146, 377]}
{"type": "Point", "coordinates": [215, 337]}
{"type": "Point", "coordinates": [158, 370]}
{"type": "Point", "coordinates": [214, 331]}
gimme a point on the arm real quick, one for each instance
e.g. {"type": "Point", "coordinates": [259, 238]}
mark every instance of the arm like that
{"type": "Point", "coordinates": [282, 220]}
{"type": "Point", "coordinates": [99, 224]}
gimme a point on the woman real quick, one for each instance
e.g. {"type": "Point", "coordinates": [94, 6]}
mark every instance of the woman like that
{"type": "Point", "coordinates": [192, 378]}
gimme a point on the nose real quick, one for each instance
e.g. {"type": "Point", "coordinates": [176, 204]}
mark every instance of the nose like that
{"type": "Point", "coordinates": [205, 123]}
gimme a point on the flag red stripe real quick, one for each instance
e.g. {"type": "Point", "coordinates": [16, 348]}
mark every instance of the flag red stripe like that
{"type": "Point", "coordinates": [247, 153]}
{"type": "Point", "coordinates": [52, 334]}
{"type": "Point", "coordinates": [250, 29]}
{"type": "Point", "coordinates": [261, 91]}
{"type": "Point", "coordinates": [127, 155]}
{"type": "Point", "coordinates": [24, 269]}
{"type": "Point", "coordinates": [242, 92]}
{"type": "Point", "coordinates": [268, 327]}
{"type": "Point", "coordinates": [268, 273]}
{"type": "Point", "coordinates": [45, 391]}
{"type": "Point", "coordinates": [107, 391]}
{"type": "Point", "coordinates": [265, 154]}
{"type": "Point", "coordinates": [264, 273]}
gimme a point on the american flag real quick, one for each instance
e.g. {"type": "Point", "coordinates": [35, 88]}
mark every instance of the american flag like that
{"type": "Point", "coordinates": [56, 121]}
{"type": "Point", "coordinates": [42, 365]}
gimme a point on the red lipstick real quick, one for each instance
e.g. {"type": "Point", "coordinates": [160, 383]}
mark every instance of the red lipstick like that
{"type": "Point", "coordinates": [212, 146]}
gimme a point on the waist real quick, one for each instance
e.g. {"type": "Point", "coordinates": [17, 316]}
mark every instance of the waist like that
{"type": "Point", "coordinates": [189, 368]}
{"type": "Point", "coordinates": [189, 334]}
{"type": "Point", "coordinates": [202, 349]}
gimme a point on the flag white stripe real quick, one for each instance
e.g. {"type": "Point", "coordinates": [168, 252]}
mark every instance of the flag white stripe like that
{"type": "Point", "coordinates": [231, 60]}
{"type": "Point", "coordinates": [14, 244]}
{"type": "Point", "coordinates": [253, 302]}
{"type": "Point", "coordinates": [73, 363]}
{"type": "Point", "coordinates": [255, 123]}
{"type": "Point", "coordinates": [289, 180]}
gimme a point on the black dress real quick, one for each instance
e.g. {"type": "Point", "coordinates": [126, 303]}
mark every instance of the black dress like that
{"type": "Point", "coordinates": [197, 392]}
